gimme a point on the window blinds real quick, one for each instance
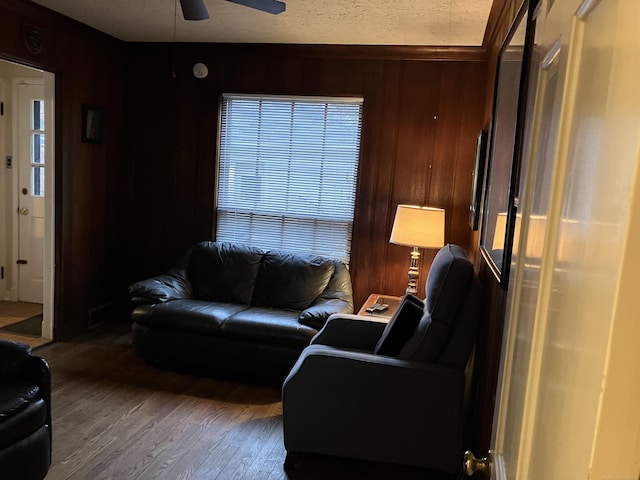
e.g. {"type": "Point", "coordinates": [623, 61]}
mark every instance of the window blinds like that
{"type": "Point", "coordinates": [287, 172]}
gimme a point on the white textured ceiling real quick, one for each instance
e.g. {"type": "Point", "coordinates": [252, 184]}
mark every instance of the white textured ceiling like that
{"type": "Point", "coordinates": [346, 22]}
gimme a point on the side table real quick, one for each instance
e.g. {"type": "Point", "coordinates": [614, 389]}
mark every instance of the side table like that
{"type": "Point", "coordinates": [385, 315]}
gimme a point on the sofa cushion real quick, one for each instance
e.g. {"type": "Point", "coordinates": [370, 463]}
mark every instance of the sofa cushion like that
{"type": "Point", "coordinates": [198, 316]}
{"type": "Point", "coordinates": [400, 327]}
{"type": "Point", "coordinates": [291, 280]}
{"type": "Point", "coordinates": [224, 272]}
{"type": "Point", "coordinates": [268, 325]}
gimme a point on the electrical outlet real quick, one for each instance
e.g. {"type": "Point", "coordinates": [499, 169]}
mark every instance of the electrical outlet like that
{"type": "Point", "coordinates": [9, 162]}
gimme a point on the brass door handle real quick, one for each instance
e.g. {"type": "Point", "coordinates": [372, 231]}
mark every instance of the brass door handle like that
{"type": "Point", "coordinates": [23, 211]}
{"type": "Point", "coordinates": [472, 464]}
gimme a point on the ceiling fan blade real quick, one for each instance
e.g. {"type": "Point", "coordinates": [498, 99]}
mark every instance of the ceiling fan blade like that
{"type": "Point", "coordinates": [194, 10]}
{"type": "Point", "coordinates": [269, 6]}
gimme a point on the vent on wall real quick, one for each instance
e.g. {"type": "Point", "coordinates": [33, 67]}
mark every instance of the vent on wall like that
{"type": "Point", "coordinates": [99, 314]}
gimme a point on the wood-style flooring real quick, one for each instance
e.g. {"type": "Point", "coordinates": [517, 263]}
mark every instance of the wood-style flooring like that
{"type": "Point", "coordinates": [115, 417]}
{"type": "Point", "coordinates": [14, 312]}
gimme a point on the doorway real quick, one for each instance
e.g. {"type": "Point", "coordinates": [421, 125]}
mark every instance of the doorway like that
{"type": "Point", "coordinates": [26, 205]}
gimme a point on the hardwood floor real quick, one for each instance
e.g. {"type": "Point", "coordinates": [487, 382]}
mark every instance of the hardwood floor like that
{"type": "Point", "coordinates": [115, 417]}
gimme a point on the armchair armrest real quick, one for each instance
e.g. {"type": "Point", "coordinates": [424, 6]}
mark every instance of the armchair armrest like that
{"type": "Point", "coordinates": [350, 331]}
{"type": "Point", "coordinates": [172, 285]}
{"type": "Point", "coordinates": [367, 406]}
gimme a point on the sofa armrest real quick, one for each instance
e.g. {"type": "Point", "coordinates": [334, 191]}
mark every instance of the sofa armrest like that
{"type": "Point", "coordinates": [337, 297]}
{"type": "Point", "coordinates": [317, 314]}
{"type": "Point", "coordinates": [350, 331]}
{"type": "Point", "coordinates": [172, 285]}
{"type": "Point", "coordinates": [367, 406]}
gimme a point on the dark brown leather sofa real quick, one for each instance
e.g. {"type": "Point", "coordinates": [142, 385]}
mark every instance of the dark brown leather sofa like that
{"type": "Point", "coordinates": [236, 309]}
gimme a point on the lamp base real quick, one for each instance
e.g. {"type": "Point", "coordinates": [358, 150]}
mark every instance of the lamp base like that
{"type": "Point", "coordinates": [413, 272]}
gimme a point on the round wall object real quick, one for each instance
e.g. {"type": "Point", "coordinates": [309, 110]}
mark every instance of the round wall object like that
{"type": "Point", "coordinates": [200, 70]}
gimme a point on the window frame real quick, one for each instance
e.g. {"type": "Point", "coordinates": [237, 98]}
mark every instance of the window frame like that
{"type": "Point", "coordinates": [356, 101]}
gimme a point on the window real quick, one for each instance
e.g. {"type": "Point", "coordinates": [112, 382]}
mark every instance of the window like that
{"type": "Point", "coordinates": [37, 148]}
{"type": "Point", "coordinates": [287, 172]}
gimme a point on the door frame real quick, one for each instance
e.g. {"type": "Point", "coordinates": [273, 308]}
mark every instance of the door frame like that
{"type": "Point", "coordinates": [48, 82]}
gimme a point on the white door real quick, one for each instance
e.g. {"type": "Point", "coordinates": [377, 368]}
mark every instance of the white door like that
{"type": "Point", "coordinates": [570, 382]}
{"type": "Point", "coordinates": [32, 134]}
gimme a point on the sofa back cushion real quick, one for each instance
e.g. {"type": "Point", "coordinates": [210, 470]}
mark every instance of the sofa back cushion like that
{"type": "Point", "coordinates": [224, 272]}
{"type": "Point", "coordinates": [291, 280]}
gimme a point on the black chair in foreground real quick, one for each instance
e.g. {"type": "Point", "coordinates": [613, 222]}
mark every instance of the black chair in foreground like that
{"type": "Point", "coordinates": [25, 413]}
{"type": "Point", "coordinates": [391, 393]}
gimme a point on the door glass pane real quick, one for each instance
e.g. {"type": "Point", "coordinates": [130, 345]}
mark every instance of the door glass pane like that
{"type": "Point", "coordinates": [37, 181]}
{"type": "Point", "coordinates": [38, 115]}
{"type": "Point", "coordinates": [38, 149]}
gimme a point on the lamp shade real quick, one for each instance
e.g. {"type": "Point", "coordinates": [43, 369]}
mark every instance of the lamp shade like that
{"type": "Point", "coordinates": [418, 227]}
{"type": "Point", "coordinates": [535, 234]}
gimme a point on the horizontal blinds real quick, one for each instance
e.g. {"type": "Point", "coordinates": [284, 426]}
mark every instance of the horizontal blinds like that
{"type": "Point", "coordinates": [287, 172]}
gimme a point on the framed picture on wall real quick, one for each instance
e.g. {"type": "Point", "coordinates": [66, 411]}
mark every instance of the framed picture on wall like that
{"type": "Point", "coordinates": [92, 122]}
{"type": "Point", "coordinates": [503, 161]}
{"type": "Point", "coordinates": [477, 178]}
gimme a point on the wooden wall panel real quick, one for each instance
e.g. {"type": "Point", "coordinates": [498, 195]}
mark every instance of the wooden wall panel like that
{"type": "Point", "coordinates": [93, 201]}
{"type": "Point", "coordinates": [488, 347]}
{"type": "Point", "coordinates": [128, 208]}
{"type": "Point", "coordinates": [407, 155]}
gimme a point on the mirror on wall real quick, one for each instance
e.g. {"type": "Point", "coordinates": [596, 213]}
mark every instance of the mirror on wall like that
{"type": "Point", "coordinates": [500, 202]}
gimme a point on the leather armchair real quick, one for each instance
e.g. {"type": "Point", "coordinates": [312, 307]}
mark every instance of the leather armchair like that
{"type": "Point", "coordinates": [344, 397]}
{"type": "Point", "coordinates": [25, 413]}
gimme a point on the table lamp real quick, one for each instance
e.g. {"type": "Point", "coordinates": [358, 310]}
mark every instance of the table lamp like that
{"type": "Point", "coordinates": [417, 227]}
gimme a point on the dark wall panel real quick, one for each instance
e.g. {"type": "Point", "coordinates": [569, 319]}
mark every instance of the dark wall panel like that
{"type": "Point", "coordinates": [93, 183]}
{"type": "Point", "coordinates": [488, 346]}
{"type": "Point", "coordinates": [130, 206]}
{"type": "Point", "coordinates": [421, 119]}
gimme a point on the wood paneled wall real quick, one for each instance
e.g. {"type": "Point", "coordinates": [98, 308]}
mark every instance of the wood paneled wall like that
{"type": "Point", "coordinates": [488, 346]}
{"type": "Point", "coordinates": [421, 119]}
{"type": "Point", "coordinates": [93, 182]}
{"type": "Point", "coordinates": [127, 209]}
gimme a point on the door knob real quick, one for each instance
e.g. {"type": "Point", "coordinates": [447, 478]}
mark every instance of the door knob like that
{"type": "Point", "coordinates": [23, 211]}
{"type": "Point", "coordinates": [472, 464]}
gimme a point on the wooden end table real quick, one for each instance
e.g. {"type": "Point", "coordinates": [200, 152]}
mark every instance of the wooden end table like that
{"type": "Point", "coordinates": [385, 315]}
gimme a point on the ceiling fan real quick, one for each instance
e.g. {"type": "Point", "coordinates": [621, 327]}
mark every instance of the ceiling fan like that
{"type": "Point", "coordinates": [196, 10]}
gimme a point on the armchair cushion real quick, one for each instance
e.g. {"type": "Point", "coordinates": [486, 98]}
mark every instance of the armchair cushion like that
{"type": "Point", "coordinates": [401, 326]}
{"type": "Point", "coordinates": [447, 289]}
